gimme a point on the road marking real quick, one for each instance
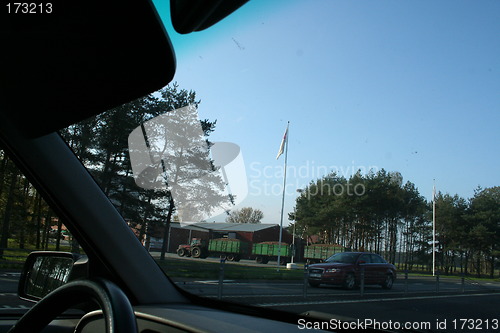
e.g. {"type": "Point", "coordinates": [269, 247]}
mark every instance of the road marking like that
{"type": "Point", "coordinates": [310, 294]}
{"type": "Point", "coordinates": [233, 282]}
{"type": "Point", "coordinates": [17, 307]}
{"type": "Point", "coordinates": [259, 296]}
{"type": "Point", "coordinates": [370, 300]}
{"type": "Point", "coordinates": [8, 294]}
{"type": "Point", "coordinates": [214, 281]}
{"type": "Point", "coordinates": [9, 279]}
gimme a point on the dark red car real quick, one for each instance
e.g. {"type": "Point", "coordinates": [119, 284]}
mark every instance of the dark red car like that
{"type": "Point", "coordinates": [345, 269]}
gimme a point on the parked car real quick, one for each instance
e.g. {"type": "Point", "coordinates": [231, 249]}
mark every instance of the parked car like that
{"type": "Point", "coordinates": [346, 269]}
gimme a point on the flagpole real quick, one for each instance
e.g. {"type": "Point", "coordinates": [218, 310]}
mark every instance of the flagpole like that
{"type": "Point", "coordinates": [434, 229]}
{"type": "Point", "coordinates": [283, 196]}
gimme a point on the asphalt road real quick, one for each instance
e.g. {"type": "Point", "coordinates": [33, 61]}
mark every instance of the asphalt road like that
{"type": "Point", "coordinates": [447, 313]}
{"type": "Point", "coordinates": [452, 306]}
{"type": "Point", "coordinates": [9, 301]}
{"type": "Point", "coordinates": [412, 286]}
{"type": "Point", "coordinates": [416, 305]}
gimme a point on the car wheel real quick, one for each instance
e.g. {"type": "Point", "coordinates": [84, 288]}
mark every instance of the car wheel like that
{"type": "Point", "coordinates": [230, 257]}
{"type": "Point", "coordinates": [389, 281]}
{"type": "Point", "coordinates": [196, 252]}
{"type": "Point", "coordinates": [117, 310]}
{"type": "Point", "coordinates": [349, 281]}
{"type": "Point", "coordinates": [314, 284]}
{"type": "Point", "coordinates": [181, 252]}
{"type": "Point", "coordinates": [259, 260]}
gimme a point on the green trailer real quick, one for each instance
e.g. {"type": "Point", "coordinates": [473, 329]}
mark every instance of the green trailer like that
{"type": "Point", "coordinates": [319, 252]}
{"type": "Point", "coordinates": [232, 249]}
{"type": "Point", "coordinates": [263, 252]}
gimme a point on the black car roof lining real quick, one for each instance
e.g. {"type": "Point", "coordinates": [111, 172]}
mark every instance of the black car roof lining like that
{"type": "Point", "coordinates": [81, 59]}
{"type": "Point", "coordinates": [73, 59]}
{"type": "Point", "coordinates": [197, 15]}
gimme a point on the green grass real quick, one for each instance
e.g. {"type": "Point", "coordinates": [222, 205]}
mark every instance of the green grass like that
{"type": "Point", "coordinates": [451, 276]}
{"type": "Point", "coordinates": [180, 268]}
{"type": "Point", "coordinates": [198, 269]}
{"type": "Point", "coordinates": [456, 275]}
{"type": "Point", "coordinates": [15, 257]}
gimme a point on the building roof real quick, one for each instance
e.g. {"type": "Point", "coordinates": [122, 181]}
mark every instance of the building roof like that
{"type": "Point", "coordinates": [246, 227]}
{"type": "Point", "coordinates": [188, 225]}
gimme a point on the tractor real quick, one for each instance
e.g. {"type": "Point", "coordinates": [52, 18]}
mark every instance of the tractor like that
{"type": "Point", "coordinates": [197, 249]}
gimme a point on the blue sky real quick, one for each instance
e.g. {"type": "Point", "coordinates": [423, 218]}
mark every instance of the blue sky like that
{"type": "Point", "coordinates": [408, 86]}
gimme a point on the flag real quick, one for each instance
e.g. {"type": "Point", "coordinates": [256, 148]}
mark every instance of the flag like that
{"type": "Point", "coordinates": [434, 193]}
{"type": "Point", "coordinates": [283, 142]}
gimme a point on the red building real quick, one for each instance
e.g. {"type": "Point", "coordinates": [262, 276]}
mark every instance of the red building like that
{"type": "Point", "coordinates": [182, 233]}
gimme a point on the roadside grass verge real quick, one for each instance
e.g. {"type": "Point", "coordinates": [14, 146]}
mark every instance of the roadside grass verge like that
{"type": "Point", "coordinates": [197, 269]}
{"type": "Point", "coordinates": [450, 276]}
{"type": "Point", "coordinates": [14, 257]}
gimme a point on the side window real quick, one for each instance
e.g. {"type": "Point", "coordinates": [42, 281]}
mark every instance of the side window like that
{"type": "Point", "coordinates": [27, 224]}
{"type": "Point", "coordinates": [365, 258]}
{"type": "Point", "coordinates": [376, 259]}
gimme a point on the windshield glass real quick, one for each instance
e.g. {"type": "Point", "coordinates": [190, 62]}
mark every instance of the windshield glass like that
{"type": "Point", "coordinates": [343, 258]}
{"type": "Point", "coordinates": [297, 130]}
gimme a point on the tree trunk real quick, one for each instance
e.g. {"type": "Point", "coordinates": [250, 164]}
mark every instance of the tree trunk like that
{"type": "Point", "coordinates": [75, 247]}
{"type": "Point", "coordinates": [164, 246]}
{"type": "Point", "coordinates": [38, 213]}
{"type": "Point", "coordinates": [58, 235]}
{"type": "Point", "coordinates": [48, 222]}
{"type": "Point", "coordinates": [492, 268]}
{"type": "Point", "coordinates": [4, 240]}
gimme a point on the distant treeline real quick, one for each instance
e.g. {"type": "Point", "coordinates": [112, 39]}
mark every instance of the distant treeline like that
{"type": "Point", "coordinates": [377, 212]}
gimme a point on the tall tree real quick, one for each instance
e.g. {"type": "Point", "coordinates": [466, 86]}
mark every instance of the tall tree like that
{"type": "Point", "coordinates": [185, 187]}
{"type": "Point", "coordinates": [9, 208]}
{"type": "Point", "coordinates": [245, 215]}
{"type": "Point", "coordinates": [484, 214]}
{"type": "Point", "coordinates": [366, 211]}
{"type": "Point", "coordinates": [451, 229]}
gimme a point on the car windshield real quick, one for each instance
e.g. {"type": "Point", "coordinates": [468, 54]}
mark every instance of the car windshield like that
{"type": "Point", "coordinates": [293, 133]}
{"type": "Point", "coordinates": [343, 258]}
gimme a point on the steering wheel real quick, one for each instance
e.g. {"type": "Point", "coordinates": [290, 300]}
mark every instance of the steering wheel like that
{"type": "Point", "coordinates": [117, 310]}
